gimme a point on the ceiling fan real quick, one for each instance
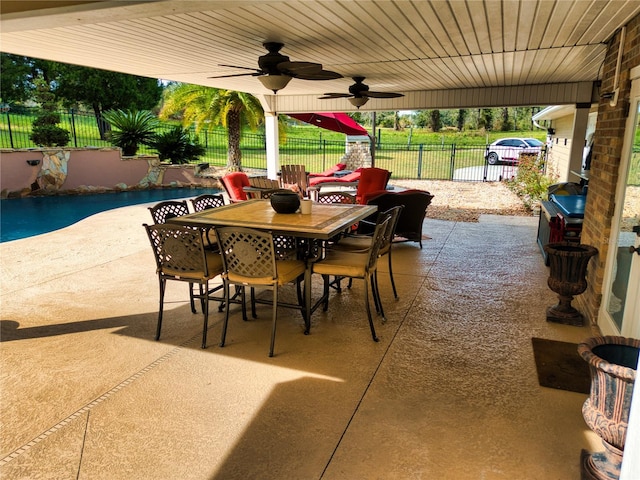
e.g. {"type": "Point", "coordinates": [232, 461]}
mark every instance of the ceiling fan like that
{"type": "Point", "coordinates": [359, 93]}
{"type": "Point", "coordinates": [275, 70]}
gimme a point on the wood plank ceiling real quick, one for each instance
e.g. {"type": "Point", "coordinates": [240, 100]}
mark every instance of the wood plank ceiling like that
{"type": "Point", "coordinates": [422, 48]}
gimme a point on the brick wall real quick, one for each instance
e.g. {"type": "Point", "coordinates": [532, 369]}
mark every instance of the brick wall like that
{"type": "Point", "coordinates": [607, 151]}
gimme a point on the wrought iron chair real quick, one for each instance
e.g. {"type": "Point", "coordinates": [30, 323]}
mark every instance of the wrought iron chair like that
{"type": "Point", "coordinates": [180, 256]}
{"type": "Point", "coordinates": [286, 246]}
{"type": "Point", "coordinates": [362, 265]}
{"type": "Point", "coordinates": [202, 202]}
{"type": "Point", "coordinates": [361, 242]}
{"type": "Point", "coordinates": [336, 197]}
{"type": "Point", "coordinates": [250, 260]}
{"type": "Point", "coordinates": [163, 211]}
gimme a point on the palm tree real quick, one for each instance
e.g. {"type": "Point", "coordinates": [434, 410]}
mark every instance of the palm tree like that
{"type": "Point", "coordinates": [207, 107]}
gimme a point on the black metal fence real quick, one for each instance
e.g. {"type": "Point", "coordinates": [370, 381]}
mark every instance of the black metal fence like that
{"type": "Point", "coordinates": [426, 162]}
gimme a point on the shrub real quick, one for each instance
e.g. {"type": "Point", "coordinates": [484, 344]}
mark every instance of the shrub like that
{"type": "Point", "coordinates": [177, 146]}
{"type": "Point", "coordinates": [45, 131]}
{"type": "Point", "coordinates": [132, 128]}
{"type": "Point", "coordinates": [49, 136]}
{"type": "Point", "coordinates": [531, 182]}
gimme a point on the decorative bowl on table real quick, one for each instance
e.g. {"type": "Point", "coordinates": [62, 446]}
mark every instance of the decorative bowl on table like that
{"type": "Point", "coordinates": [285, 202]}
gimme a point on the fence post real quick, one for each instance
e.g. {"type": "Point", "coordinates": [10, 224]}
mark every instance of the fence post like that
{"type": "Point", "coordinates": [420, 149]}
{"type": "Point", "coordinates": [73, 128]}
{"type": "Point", "coordinates": [324, 155]}
{"type": "Point", "coordinates": [9, 126]}
{"type": "Point", "coordinates": [453, 160]}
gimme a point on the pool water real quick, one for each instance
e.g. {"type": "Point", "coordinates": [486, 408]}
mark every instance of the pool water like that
{"type": "Point", "coordinates": [29, 216]}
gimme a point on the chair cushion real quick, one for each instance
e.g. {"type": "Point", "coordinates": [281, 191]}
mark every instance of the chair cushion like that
{"type": "Point", "coordinates": [235, 183]}
{"type": "Point", "coordinates": [372, 179]}
{"type": "Point", "coordinates": [342, 264]}
{"type": "Point", "coordinates": [288, 271]}
{"type": "Point", "coordinates": [330, 171]}
{"type": "Point", "coordinates": [353, 243]}
{"type": "Point", "coordinates": [214, 264]}
{"type": "Point", "coordinates": [350, 177]}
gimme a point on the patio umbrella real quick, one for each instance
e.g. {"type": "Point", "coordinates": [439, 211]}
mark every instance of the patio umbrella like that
{"type": "Point", "coordinates": [337, 122]}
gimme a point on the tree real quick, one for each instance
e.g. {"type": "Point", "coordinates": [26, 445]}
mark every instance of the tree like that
{"type": "Point", "coordinates": [207, 108]}
{"type": "Point", "coordinates": [435, 123]}
{"type": "Point", "coordinates": [485, 118]}
{"type": "Point", "coordinates": [20, 76]}
{"type": "Point", "coordinates": [45, 131]}
{"type": "Point", "coordinates": [103, 90]}
{"type": "Point", "coordinates": [462, 115]}
{"type": "Point", "coordinates": [16, 82]}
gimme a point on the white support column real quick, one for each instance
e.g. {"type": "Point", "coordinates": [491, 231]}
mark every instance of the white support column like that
{"type": "Point", "coordinates": [580, 122]}
{"type": "Point", "coordinates": [271, 137]}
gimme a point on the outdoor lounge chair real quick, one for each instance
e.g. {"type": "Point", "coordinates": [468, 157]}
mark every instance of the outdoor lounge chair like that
{"type": "Point", "coordinates": [350, 179]}
{"type": "Point", "coordinates": [330, 172]}
{"type": "Point", "coordinates": [415, 202]}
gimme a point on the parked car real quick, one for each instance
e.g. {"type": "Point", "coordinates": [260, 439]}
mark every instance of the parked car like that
{"type": "Point", "coordinates": [509, 149]}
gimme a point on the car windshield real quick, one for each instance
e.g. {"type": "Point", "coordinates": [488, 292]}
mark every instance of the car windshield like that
{"type": "Point", "coordinates": [533, 142]}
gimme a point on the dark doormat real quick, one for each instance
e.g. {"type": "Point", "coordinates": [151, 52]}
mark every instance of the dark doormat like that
{"type": "Point", "coordinates": [560, 366]}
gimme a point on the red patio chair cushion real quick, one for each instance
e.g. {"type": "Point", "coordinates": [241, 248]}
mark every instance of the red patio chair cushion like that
{"type": "Point", "coordinates": [349, 177]}
{"type": "Point", "coordinates": [234, 183]}
{"type": "Point", "coordinates": [371, 180]}
{"type": "Point", "coordinates": [330, 171]}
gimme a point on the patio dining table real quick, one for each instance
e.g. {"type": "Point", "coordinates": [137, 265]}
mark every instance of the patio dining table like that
{"type": "Point", "coordinates": [323, 223]}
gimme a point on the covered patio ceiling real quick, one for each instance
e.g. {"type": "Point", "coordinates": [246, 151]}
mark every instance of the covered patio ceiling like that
{"type": "Point", "coordinates": [440, 54]}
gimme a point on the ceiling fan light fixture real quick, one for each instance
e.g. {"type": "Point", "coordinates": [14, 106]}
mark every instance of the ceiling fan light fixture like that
{"type": "Point", "coordinates": [358, 101]}
{"type": "Point", "coordinates": [275, 82]}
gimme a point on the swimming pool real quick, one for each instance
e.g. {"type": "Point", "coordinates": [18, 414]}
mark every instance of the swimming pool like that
{"type": "Point", "coordinates": [29, 216]}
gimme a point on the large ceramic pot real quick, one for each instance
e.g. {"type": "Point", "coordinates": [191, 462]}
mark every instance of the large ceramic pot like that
{"type": "Point", "coordinates": [612, 362]}
{"type": "Point", "coordinates": [567, 277]}
{"type": "Point", "coordinates": [285, 202]}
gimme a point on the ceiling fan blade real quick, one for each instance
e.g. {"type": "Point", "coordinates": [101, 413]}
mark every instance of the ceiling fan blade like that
{"type": "Point", "coordinates": [243, 68]}
{"type": "Point", "coordinates": [382, 94]}
{"type": "Point", "coordinates": [299, 67]}
{"type": "Point", "coordinates": [321, 75]}
{"type": "Point", "coordinates": [255, 74]}
{"type": "Point", "coordinates": [335, 95]}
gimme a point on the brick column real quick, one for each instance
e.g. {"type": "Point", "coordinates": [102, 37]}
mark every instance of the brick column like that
{"type": "Point", "coordinates": [607, 152]}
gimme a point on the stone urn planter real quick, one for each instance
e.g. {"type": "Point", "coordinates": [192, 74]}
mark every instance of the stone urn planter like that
{"type": "Point", "coordinates": [568, 269]}
{"type": "Point", "coordinates": [612, 362]}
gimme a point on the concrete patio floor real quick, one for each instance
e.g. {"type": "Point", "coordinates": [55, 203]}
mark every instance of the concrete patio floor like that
{"type": "Point", "coordinates": [449, 392]}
